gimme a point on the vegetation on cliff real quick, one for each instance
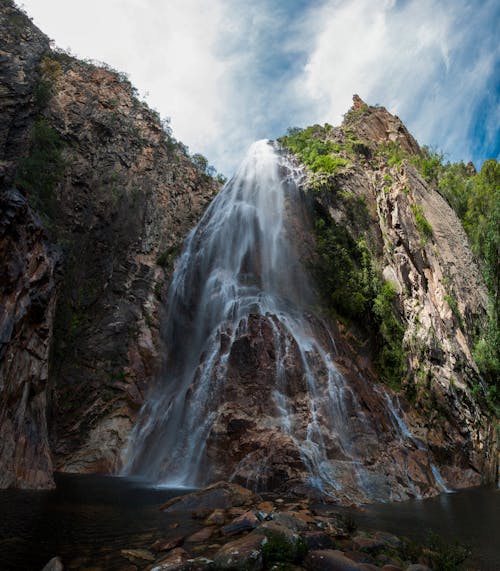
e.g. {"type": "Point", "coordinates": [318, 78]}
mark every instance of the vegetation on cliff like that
{"type": "Point", "coordinates": [349, 276]}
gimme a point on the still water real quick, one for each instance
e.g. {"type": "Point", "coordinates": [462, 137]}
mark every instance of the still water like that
{"type": "Point", "coordinates": [87, 520]}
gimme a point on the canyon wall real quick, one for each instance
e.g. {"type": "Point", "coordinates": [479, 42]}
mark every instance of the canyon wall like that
{"type": "Point", "coordinates": [97, 197]}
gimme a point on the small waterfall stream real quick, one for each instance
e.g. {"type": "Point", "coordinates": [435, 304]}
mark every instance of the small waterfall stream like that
{"type": "Point", "coordinates": [240, 280]}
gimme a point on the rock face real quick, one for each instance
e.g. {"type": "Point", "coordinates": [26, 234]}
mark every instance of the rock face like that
{"type": "Point", "coordinates": [275, 391]}
{"type": "Point", "coordinates": [80, 300]}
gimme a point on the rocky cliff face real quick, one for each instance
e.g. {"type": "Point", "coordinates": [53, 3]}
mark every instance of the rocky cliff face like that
{"type": "Point", "coordinates": [83, 283]}
{"type": "Point", "coordinates": [418, 245]}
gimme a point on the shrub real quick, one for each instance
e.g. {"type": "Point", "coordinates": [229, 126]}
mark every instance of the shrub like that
{"type": "Point", "coordinates": [278, 549]}
{"type": "Point", "coordinates": [423, 226]}
{"type": "Point", "coordinates": [43, 168]}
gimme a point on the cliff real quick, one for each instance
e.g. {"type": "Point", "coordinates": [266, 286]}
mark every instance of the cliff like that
{"type": "Point", "coordinates": [96, 198]}
{"type": "Point", "coordinates": [412, 303]}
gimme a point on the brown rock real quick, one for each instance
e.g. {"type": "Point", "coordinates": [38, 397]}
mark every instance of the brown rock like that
{"type": "Point", "coordinates": [368, 544]}
{"type": "Point", "coordinates": [137, 554]}
{"type": "Point", "coordinates": [393, 568]}
{"type": "Point", "coordinates": [202, 535]}
{"type": "Point", "coordinates": [329, 560]}
{"type": "Point", "coordinates": [243, 554]}
{"type": "Point", "coordinates": [221, 495]}
{"type": "Point", "coordinates": [217, 517]}
{"type": "Point", "coordinates": [265, 506]}
{"type": "Point", "coordinates": [245, 522]}
{"type": "Point", "coordinates": [167, 544]}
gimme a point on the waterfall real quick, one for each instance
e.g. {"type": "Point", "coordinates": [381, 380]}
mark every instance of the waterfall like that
{"type": "Point", "coordinates": [249, 389]}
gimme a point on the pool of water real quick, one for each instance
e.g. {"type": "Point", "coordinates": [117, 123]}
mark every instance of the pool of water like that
{"type": "Point", "coordinates": [470, 516]}
{"type": "Point", "coordinates": [88, 519]}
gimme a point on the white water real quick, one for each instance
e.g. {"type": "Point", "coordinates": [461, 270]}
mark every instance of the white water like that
{"type": "Point", "coordinates": [238, 262]}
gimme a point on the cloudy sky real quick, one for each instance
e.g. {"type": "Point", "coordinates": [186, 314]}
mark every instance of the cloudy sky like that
{"type": "Point", "coordinates": [228, 72]}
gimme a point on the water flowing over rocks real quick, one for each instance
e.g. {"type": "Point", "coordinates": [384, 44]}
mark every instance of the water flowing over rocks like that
{"type": "Point", "coordinates": [272, 394]}
{"type": "Point", "coordinates": [250, 379]}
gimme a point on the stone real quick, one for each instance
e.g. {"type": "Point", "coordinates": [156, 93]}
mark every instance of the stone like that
{"type": "Point", "coordinates": [243, 554]}
{"type": "Point", "coordinates": [245, 522]}
{"type": "Point", "coordinates": [329, 560]}
{"type": "Point", "coordinates": [272, 529]}
{"type": "Point", "coordinates": [167, 544]}
{"type": "Point", "coordinates": [265, 506]}
{"type": "Point", "coordinates": [135, 554]}
{"type": "Point", "coordinates": [202, 535]}
{"type": "Point", "coordinates": [317, 540]}
{"type": "Point", "coordinates": [393, 568]}
{"type": "Point", "coordinates": [418, 567]}
{"type": "Point", "coordinates": [217, 517]}
{"type": "Point", "coordinates": [55, 564]}
{"type": "Point", "coordinates": [221, 495]}
{"type": "Point", "coordinates": [291, 520]}
{"type": "Point", "coordinates": [368, 544]}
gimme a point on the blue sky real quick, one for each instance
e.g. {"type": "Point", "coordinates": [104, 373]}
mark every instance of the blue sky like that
{"type": "Point", "coordinates": [228, 72]}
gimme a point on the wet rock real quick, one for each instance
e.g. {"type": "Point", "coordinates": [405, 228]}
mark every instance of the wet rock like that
{"type": "Point", "coordinates": [167, 544]}
{"type": "Point", "coordinates": [329, 560]}
{"type": "Point", "coordinates": [265, 507]}
{"type": "Point", "coordinates": [317, 540]}
{"type": "Point", "coordinates": [291, 520]}
{"type": "Point", "coordinates": [272, 529]}
{"type": "Point", "coordinates": [221, 495]}
{"type": "Point", "coordinates": [245, 522]}
{"type": "Point", "coordinates": [137, 554]}
{"type": "Point", "coordinates": [360, 557]}
{"type": "Point", "coordinates": [243, 554]}
{"type": "Point", "coordinates": [55, 564]}
{"type": "Point", "coordinates": [418, 567]}
{"type": "Point", "coordinates": [202, 535]}
{"type": "Point", "coordinates": [217, 517]}
{"type": "Point", "coordinates": [368, 544]}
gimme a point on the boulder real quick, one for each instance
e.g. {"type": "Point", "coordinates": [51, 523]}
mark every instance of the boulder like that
{"type": "Point", "coordinates": [243, 554]}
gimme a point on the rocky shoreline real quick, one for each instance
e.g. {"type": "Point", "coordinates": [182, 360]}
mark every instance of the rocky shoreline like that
{"type": "Point", "coordinates": [232, 528]}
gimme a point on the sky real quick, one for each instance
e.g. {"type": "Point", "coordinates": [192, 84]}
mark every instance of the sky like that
{"type": "Point", "coordinates": [229, 72]}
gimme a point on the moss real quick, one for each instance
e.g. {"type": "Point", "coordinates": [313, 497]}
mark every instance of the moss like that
{"type": "Point", "coordinates": [453, 304]}
{"type": "Point", "coordinates": [423, 226]}
{"type": "Point", "coordinates": [353, 289]}
{"type": "Point", "coordinates": [42, 170]}
{"type": "Point", "coordinates": [316, 150]}
{"type": "Point", "coordinates": [278, 550]}
{"type": "Point", "coordinates": [166, 258]}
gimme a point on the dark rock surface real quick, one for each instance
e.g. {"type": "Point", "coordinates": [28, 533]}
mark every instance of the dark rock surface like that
{"type": "Point", "coordinates": [116, 195]}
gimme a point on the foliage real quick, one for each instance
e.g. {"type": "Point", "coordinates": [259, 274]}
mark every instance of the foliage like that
{"type": "Point", "coordinates": [43, 168]}
{"type": "Point", "coordinates": [423, 226]}
{"type": "Point", "coordinates": [475, 197]}
{"type": "Point", "coordinates": [353, 289]}
{"type": "Point", "coordinates": [391, 357]}
{"type": "Point", "coordinates": [439, 554]}
{"type": "Point", "coordinates": [278, 549]}
{"type": "Point", "coordinates": [166, 258]}
{"type": "Point", "coordinates": [429, 163]}
{"type": "Point", "coordinates": [318, 152]}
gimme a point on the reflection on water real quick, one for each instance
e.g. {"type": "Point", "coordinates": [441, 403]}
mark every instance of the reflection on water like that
{"type": "Point", "coordinates": [470, 516]}
{"type": "Point", "coordinates": [87, 520]}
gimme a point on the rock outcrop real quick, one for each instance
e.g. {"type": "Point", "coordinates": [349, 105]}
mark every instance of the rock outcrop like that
{"type": "Point", "coordinates": [419, 245]}
{"type": "Point", "coordinates": [96, 198]}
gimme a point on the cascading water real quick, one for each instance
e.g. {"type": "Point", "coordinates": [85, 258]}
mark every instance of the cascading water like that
{"type": "Point", "coordinates": [250, 390]}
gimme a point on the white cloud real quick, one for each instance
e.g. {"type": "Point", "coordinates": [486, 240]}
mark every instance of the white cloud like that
{"type": "Point", "coordinates": [413, 57]}
{"type": "Point", "coordinates": [230, 71]}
